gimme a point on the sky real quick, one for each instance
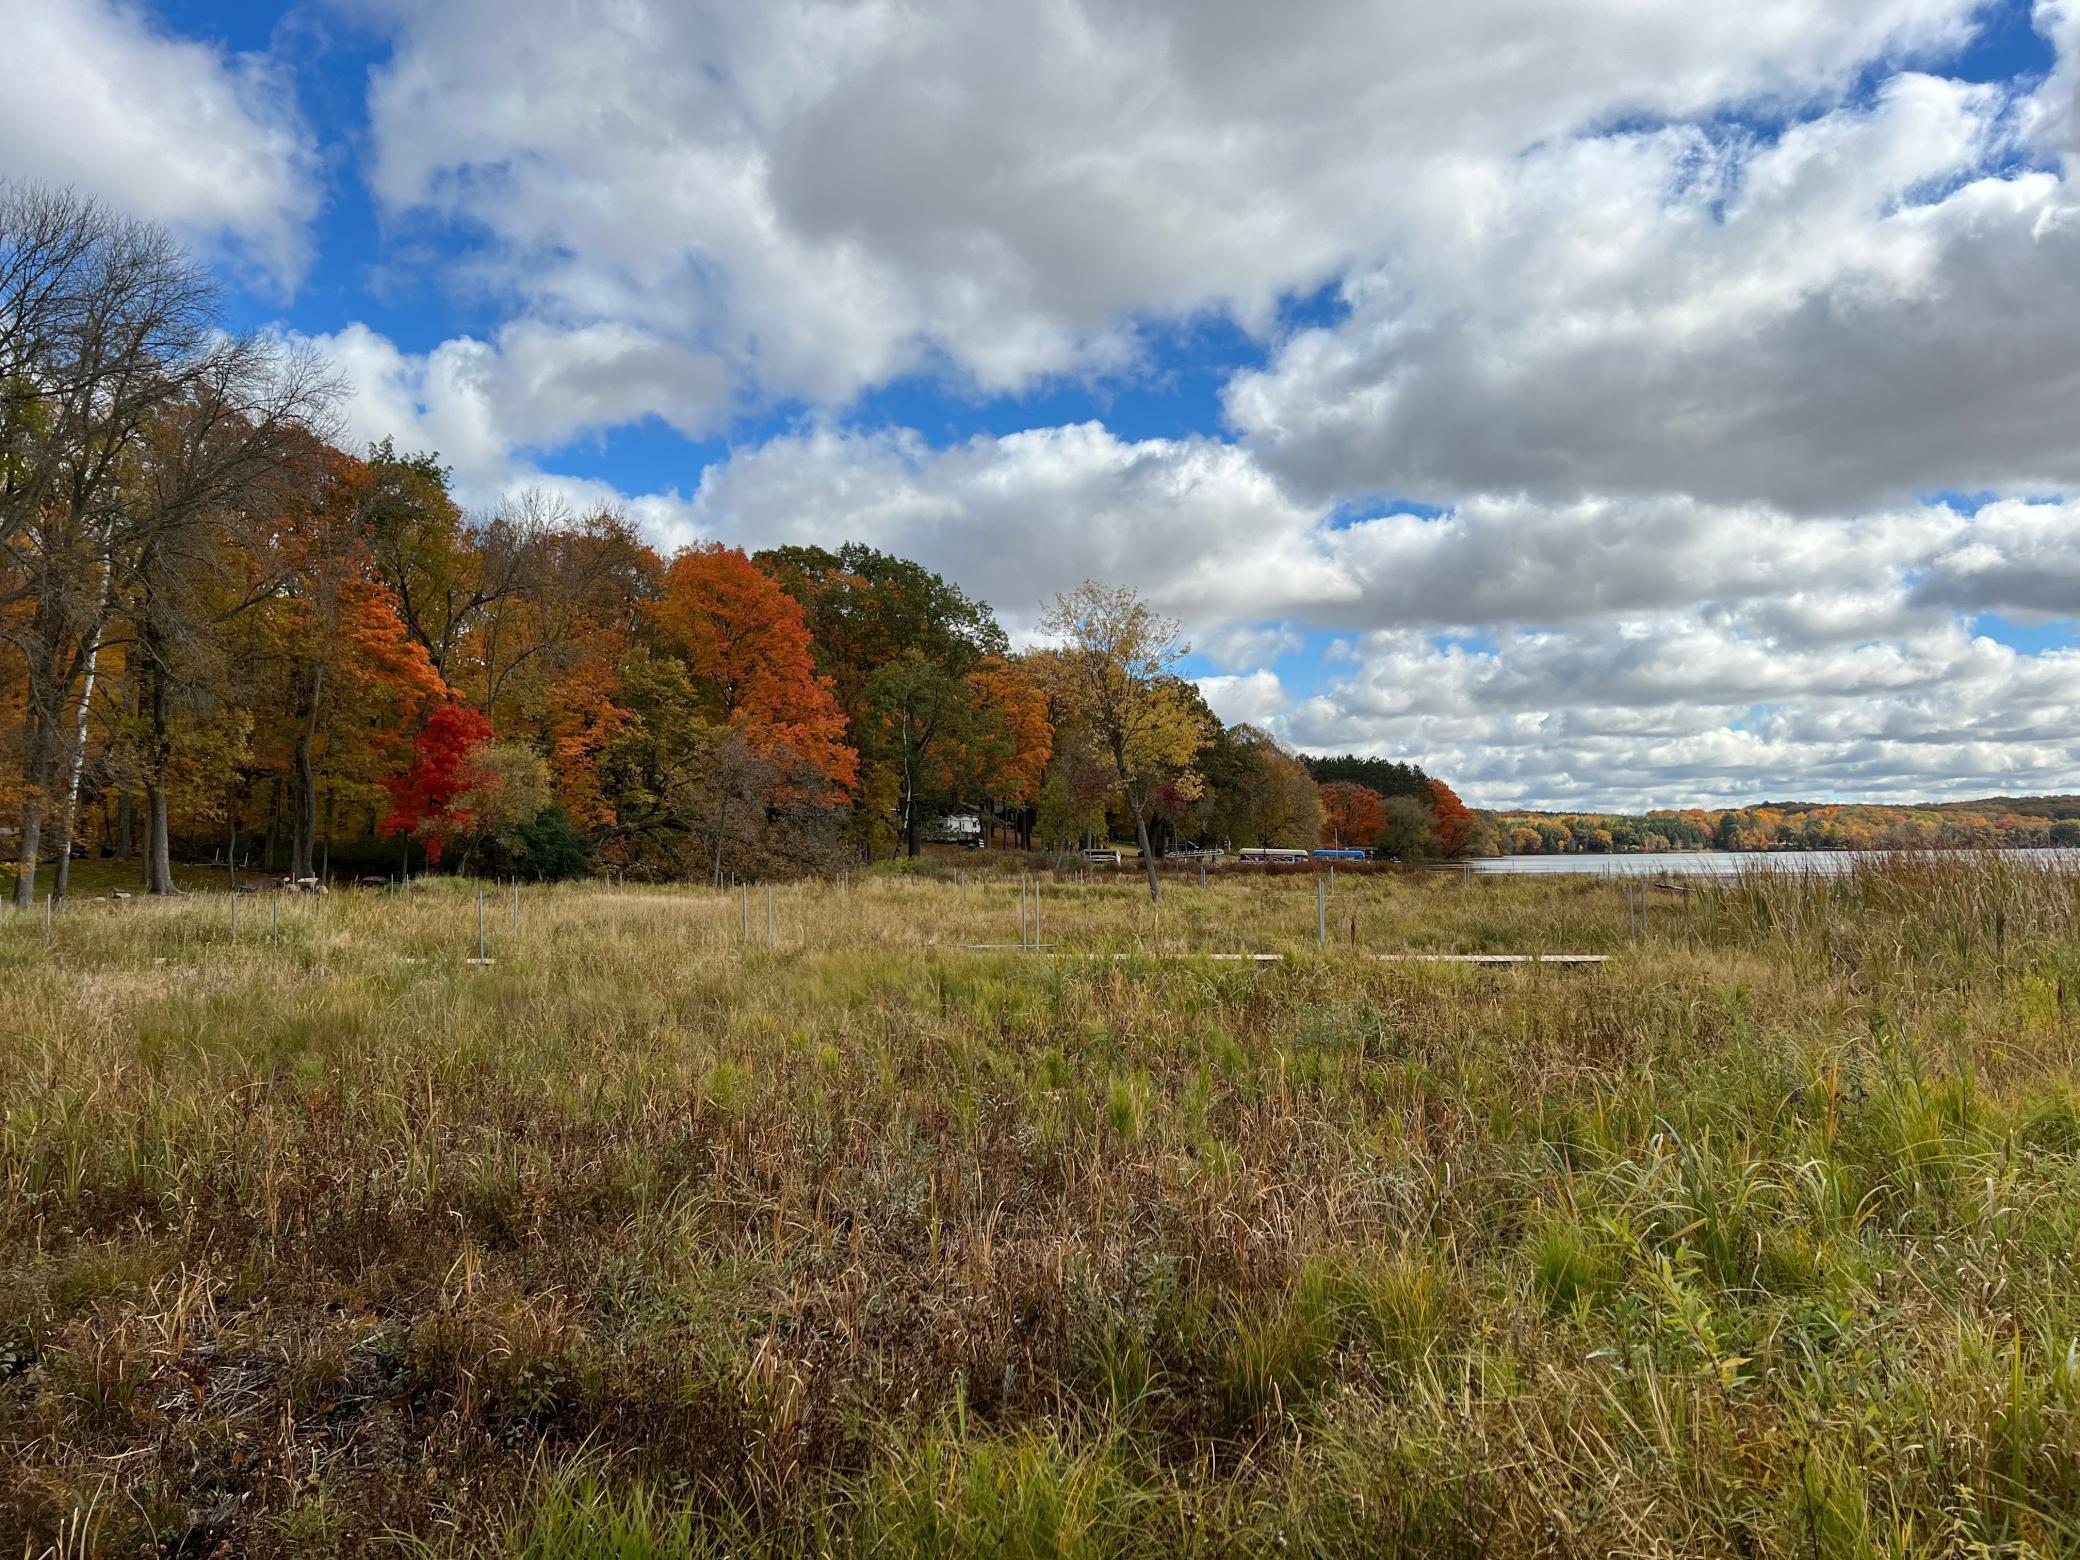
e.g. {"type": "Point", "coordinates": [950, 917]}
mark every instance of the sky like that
{"type": "Point", "coordinates": [1604, 403]}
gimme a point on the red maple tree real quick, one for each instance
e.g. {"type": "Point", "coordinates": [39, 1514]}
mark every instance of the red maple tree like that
{"type": "Point", "coordinates": [442, 768]}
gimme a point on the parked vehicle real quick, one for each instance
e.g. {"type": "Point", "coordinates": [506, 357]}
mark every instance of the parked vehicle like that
{"type": "Point", "coordinates": [1102, 858]}
{"type": "Point", "coordinates": [1342, 853]}
{"type": "Point", "coordinates": [962, 829]}
{"type": "Point", "coordinates": [1272, 853]}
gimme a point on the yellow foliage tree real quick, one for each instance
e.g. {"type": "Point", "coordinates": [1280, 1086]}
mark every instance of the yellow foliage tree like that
{"type": "Point", "coordinates": [1114, 673]}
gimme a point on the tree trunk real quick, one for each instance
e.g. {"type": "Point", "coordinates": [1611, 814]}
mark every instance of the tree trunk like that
{"type": "Point", "coordinates": [306, 832]}
{"type": "Point", "coordinates": [32, 842]}
{"type": "Point", "coordinates": [125, 824]}
{"type": "Point", "coordinates": [910, 845]}
{"type": "Point", "coordinates": [76, 749]}
{"type": "Point", "coordinates": [158, 852]}
{"type": "Point", "coordinates": [36, 772]}
{"type": "Point", "coordinates": [1148, 855]}
{"type": "Point", "coordinates": [274, 825]}
{"type": "Point", "coordinates": [158, 866]}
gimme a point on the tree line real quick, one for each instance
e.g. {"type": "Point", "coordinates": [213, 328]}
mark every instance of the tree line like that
{"type": "Point", "coordinates": [222, 633]}
{"type": "Point", "coordinates": [1997, 823]}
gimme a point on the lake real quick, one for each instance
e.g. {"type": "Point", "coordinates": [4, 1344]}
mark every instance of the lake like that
{"type": "Point", "coordinates": [1711, 863]}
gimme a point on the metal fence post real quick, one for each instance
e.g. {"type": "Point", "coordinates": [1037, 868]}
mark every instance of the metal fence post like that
{"type": "Point", "coordinates": [1321, 911]}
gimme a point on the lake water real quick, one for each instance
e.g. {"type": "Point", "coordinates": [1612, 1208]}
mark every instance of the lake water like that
{"type": "Point", "coordinates": [1713, 863]}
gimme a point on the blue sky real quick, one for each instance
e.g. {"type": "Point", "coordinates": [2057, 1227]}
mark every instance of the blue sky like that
{"type": "Point", "coordinates": [1536, 395]}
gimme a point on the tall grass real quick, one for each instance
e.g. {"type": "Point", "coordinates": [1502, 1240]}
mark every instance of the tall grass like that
{"type": "Point", "coordinates": [643, 1239]}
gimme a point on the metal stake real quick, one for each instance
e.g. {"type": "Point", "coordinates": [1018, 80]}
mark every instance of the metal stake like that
{"type": "Point", "coordinates": [1321, 911]}
{"type": "Point", "coordinates": [480, 926]}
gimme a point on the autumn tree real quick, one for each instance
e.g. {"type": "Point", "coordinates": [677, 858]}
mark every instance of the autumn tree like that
{"type": "Point", "coordinates": [1351, 813]}
{"type": "Point", "coordinates": [746, 646]}
{"type": "Point", "coordinates": [1281, 804]}
{"type": "Point", "coordinates": [1009, 765]}
{"type": "Point", "coordinates": [506, 786]}
{"type": "Point", "coordinates": [865, 608]}
{"type": "Point", "coordinates": [1454, 820]}
{"type": "Point", "coordinates": [1114, 670]}
{"type": "Point", "coordinates": [924, 725]}
{"type": "Point", "coordinates": [104, 323]}
{"type": "Point", "coordinates": [1074, 787]}
{"type": "Point", "coordinates": [430, 800]}
{"type": "Point", "coordinates": [898, 643]}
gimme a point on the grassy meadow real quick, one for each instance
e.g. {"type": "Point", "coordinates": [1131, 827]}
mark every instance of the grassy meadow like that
{"type": "Point", "coordinates": [1761, 1239]}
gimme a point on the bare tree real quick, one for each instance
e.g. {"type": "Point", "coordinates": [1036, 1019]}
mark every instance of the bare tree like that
{"type": "Point", "coordinates": [240, 446]}
{"type": "Point", "coordinates": [124, 414]}
{"type": "Point", "coordinates": [120, 319]}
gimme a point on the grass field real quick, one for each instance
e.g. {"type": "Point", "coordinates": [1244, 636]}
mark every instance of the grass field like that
{"type": "Point", "coordinates": [1763, 1238]}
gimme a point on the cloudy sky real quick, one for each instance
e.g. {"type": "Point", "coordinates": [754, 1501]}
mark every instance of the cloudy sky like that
{"type": "Point", "coordinates": [1603, 402]}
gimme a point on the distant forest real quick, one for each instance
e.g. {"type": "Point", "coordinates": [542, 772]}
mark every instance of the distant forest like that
{"type": "Point", "coordinates": [1999, 822]}
{"type": "Point", "coordinates": [1375, 774]}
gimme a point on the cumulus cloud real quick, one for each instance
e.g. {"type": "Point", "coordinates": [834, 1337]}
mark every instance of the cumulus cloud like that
{"type": "Point", "coordinates": [1676, 712]}
{"type": "Point", "coordinates": [1846, 314]}
{"type": "Point", "coordinates": [836, 192]}
{"type": "Point", "coordinates": [482, 405]}
{"type": "Point", "coordinates": [1255, 697]}
{"type": "Point", "coordinates": [1019, 517]}
{"type": "Point", "coordinates": [102, 98]}
{"type": "Point", "coordinates": [2019, 559]}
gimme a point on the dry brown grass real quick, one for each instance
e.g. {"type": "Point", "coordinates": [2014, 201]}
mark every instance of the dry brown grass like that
{"type": "Point", "coordinates": [641, 1240]}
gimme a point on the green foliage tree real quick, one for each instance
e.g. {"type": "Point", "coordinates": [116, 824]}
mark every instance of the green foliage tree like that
{"type": "Point", "coordinates": [1409, 832]}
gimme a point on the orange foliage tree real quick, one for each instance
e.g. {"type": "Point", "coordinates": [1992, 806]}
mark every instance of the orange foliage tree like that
{"type": "Point", "coordinates": [1352, 814]}
{"type": "Point", "coordinates": [746, 644]}
{"type": "Point", "coordinates": [1013, 697]}
{"type": "Point", "coordinates": [1455, 819]}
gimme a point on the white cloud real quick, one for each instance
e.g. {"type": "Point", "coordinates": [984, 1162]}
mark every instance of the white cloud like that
{"type": "Point", "coordinates": [838, 191]}
{"type": "Point", "coordinates": [1838, 318]}
{"type": "Point", "coordinates": [100, 97]}
{"type": "Point", "coordinates": [534, 387]}
{"type": "Point", "coordinates": [1255, 697]}
{"type": "Point", "coordinates": [1673, 712]}
{"type": "Point", "coordinates": [1018, 518]}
